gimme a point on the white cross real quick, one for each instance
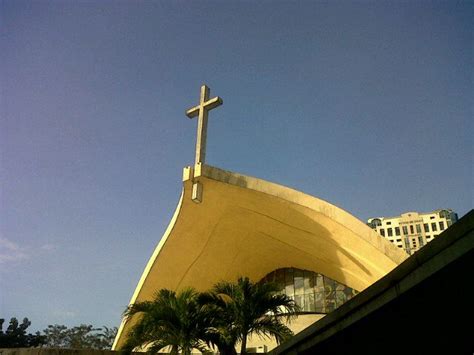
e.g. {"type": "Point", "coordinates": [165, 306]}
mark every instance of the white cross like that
{"type": "Point", "coordinates": [202, 110]}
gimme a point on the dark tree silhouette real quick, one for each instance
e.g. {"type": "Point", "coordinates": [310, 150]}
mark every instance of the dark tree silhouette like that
{"type": "Point", "coordinates": [15, 335]}
{"type": "Point", "coordinates": [83, 336]}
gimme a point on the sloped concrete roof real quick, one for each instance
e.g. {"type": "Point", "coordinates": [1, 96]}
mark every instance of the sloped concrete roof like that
{"type": "Point", "coordinates": [246, 226]}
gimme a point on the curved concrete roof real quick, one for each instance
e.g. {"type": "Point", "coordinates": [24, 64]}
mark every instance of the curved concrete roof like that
{"type": "Point", "coordinates": [247, 226]}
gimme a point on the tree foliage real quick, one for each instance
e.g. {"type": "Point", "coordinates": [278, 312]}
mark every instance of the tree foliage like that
{"type": "Point", "coordinates": [83, 336]}
{"type": "Point", "coordinates": [220, 318]}
{"type": "Point", "coordinates": [243, 308]}
{"type": "Point", "coordinates": [171, 320]}
{"type": "Point", "coordinates": [15, 335]}
{"type": "Point", "coordinates": [56, 336]}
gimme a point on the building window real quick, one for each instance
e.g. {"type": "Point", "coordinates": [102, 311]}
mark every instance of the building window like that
{"type": "Point", "coordinates": [399, 240]}
{"type": "Point", "coordinates": [433, 227]}
{"type": "Point", "coordinates": [397, 230]}
{"type": "Point", "coordinates": [376, 222]}
{"type": "Point", "coordinates": [427, 227]}
{"type": "Point", "coordinates": [432, 217]}
{"type": "Point", "coordinates": [382, 232]}
{"type": "Point", "coordinates": [428, 237]}
{"type": "Point", "coordinates": [420, 241]}
{"type": "Point", "coordinates": [390, 232]}
{"type": "Point", "coordinates": [441, 225]}
{"type": "Point", "coordinates": [405, 230]}
{"type": "Point", "coordinates": [389, 223]}
{"type": "Point", "coordinates": [412, 231]}
{"type": "Point", "coordinates": [313, 292]}
{"type": "Point", "coordinates": [418, 228]}
{"type": "Point", "coordinates": [449, 223]}
{"type": "Point", "coordinates": [445, 214]}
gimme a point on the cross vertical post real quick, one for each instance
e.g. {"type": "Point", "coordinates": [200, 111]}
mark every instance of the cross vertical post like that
{"type": "Point", "coordinates": [202, 111]}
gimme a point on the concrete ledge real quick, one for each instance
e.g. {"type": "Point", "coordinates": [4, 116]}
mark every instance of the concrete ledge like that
{"type": "Point", "coordinates": [421, 304]}
{"type": "Point", "coordinates": [57, 351]}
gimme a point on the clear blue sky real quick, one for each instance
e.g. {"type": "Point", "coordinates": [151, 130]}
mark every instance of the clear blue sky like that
{"type": "Point", "coordinates": [367, 105]}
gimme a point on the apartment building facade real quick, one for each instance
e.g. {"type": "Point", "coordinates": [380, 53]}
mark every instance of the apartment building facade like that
{"type": "Point", "coordinates": [412, 230]}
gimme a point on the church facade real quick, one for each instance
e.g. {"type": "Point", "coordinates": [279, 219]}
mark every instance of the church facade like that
{"type": "Point", "coordinates": [228, 225]}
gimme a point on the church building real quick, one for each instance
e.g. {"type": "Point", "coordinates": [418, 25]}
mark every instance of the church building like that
{"type": "Point", "coordinates": [228, 225]}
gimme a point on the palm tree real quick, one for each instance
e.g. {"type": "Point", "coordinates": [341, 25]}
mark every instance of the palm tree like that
{"type": "Point", "coordinates": [170, 320]}
{"type": "Point", "coordinates": [243, 308]}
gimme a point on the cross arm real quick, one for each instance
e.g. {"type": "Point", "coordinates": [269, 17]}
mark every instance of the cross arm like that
{"type": "Point", "coordinates": [213, 103]}
{"type": "Point", "coordinates": [193, 112]}
{"type": "Point", "coordinates": [208, 105]}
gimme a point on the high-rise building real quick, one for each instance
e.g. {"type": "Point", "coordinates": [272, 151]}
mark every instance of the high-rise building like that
{"type": "Point", "coordinates": [412, 230]}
